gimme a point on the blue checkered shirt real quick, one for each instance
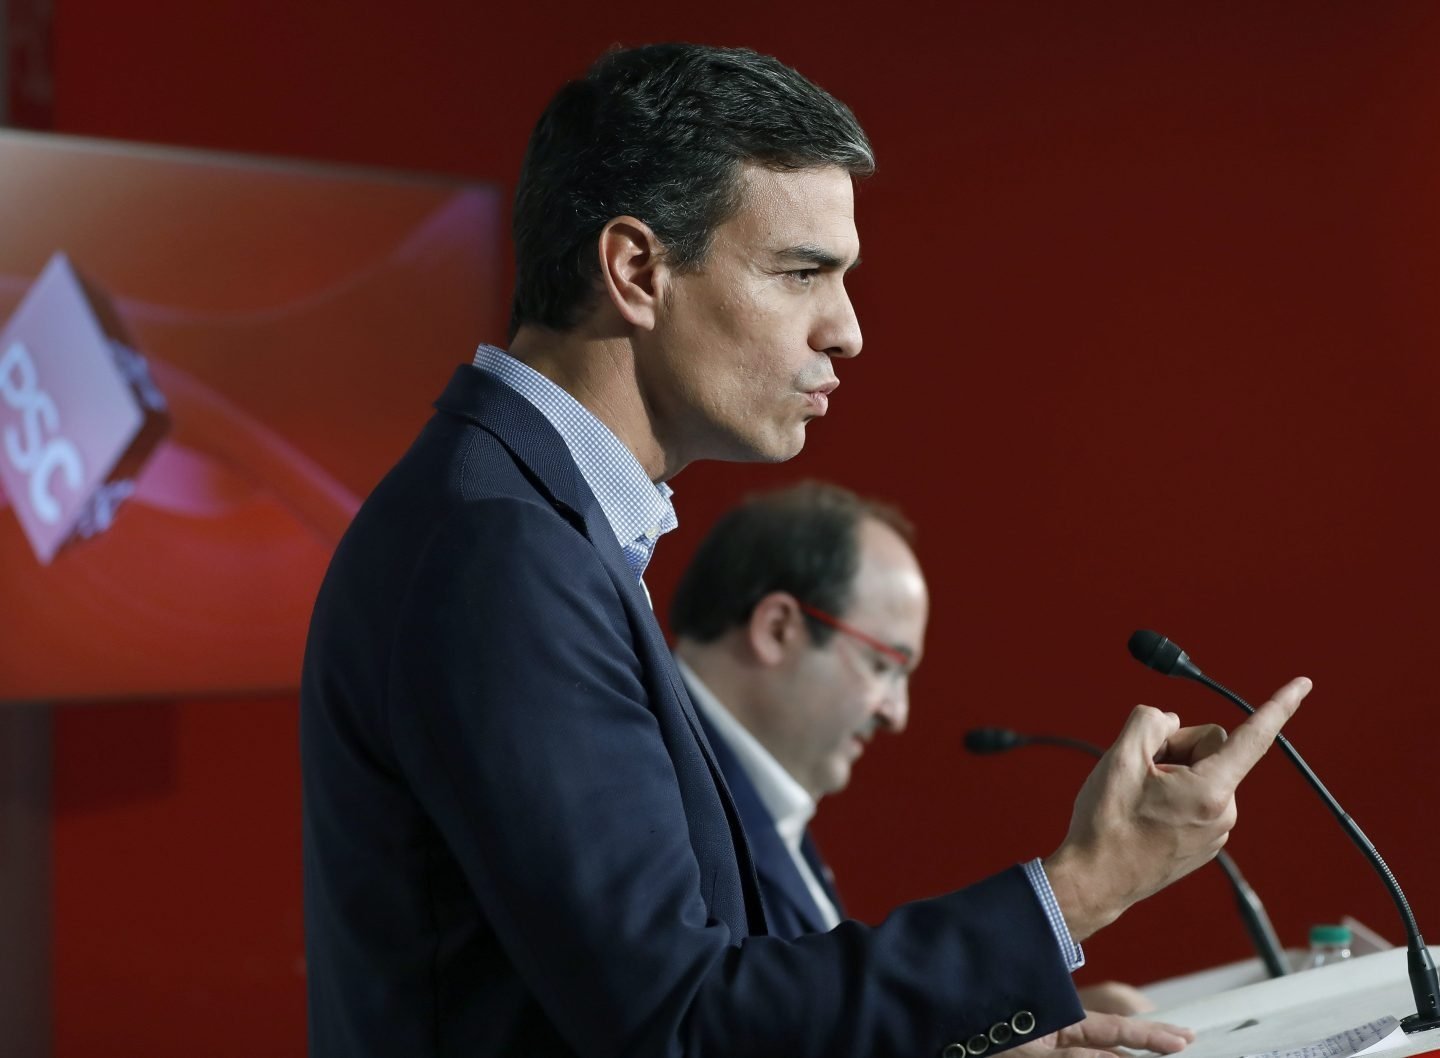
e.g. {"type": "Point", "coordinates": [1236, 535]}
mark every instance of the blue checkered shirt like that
{"type": "Point", "coordinates": [1070, 950]}
{"type": "Point", "coordinates": [639, 510]}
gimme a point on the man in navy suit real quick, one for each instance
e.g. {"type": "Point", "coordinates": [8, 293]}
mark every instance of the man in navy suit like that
{"type": "Point", "coordinates": [798, 623]}
{"type": "Point", "coordinates": [517, 838]}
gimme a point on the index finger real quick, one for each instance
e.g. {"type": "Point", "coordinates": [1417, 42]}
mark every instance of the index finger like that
{"type": "Point", "coordinates": [1248, 742]}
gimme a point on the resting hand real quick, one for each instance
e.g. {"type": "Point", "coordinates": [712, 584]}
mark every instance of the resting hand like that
{"type": "Point", "coordinates": [1115, 997]}
{"type": "Point", "coordinates": [1099, 1034]}
{"type": "Point", "coordinates": [1159, 804]}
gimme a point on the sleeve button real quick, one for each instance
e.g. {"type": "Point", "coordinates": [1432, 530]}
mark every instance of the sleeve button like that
{"type": "Point", "coordinates": [978, 1044]}
{"type": "Point", "coordinates": [1001, 1033]}
{"type": "Point", "coordinates": [1023, 1023]}
{"type": "Point", "coordinates": [955, 1050]}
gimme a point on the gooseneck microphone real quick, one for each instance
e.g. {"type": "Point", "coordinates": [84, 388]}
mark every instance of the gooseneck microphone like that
{"type": "Point", "coordinates": [1160, 654]}
{"type": "Point", "coordinates": [987, 740]}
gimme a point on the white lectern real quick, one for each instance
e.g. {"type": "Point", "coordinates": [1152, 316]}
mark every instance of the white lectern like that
{"type": "Point", "coordinates": [1300, 1008]}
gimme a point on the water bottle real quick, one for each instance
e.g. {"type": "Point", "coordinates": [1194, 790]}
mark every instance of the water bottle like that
{"type": "Point", "coordinates": [1328, 944]}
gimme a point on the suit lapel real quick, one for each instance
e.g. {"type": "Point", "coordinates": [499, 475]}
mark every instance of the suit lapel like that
{"type": "Point", "coordinates": [476, 395]}
{"type": "Point", "coordinates": [773, 861]}
{"type": "Point", "coordinates": [643, 620]}
{"type": "Point", "coordinates": [479, 397]}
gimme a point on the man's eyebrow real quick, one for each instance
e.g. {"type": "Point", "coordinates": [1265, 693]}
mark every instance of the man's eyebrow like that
{"type": "Point", "coordinates": [809, 253]}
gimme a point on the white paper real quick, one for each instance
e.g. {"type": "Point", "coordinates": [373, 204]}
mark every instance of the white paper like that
{"type": "Point", "coordinates": [1363, 1039]}
{"type": "Point", "coordinates": [1394, 1038]}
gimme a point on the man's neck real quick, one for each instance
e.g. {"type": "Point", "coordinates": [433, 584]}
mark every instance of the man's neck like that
{"type": "Point", "coordinates": [599, 371]}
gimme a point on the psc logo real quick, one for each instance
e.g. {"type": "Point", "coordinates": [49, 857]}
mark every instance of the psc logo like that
{"type": "Point", "coordinates": [79, 415]}
{"type": "Point", "coordinates": [34, 445]}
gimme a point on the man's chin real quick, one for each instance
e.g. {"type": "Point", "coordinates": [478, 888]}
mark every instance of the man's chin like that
{"type": "Point", "coordinates": [765, 449]}
{"type": "Point", "coordinates": [839, 777]}
{"type": "Point", "coordinates": [787, 446]}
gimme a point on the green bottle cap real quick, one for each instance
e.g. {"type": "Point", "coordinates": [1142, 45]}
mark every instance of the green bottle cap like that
{"type": "Point", "coordinates": [1330, 935]}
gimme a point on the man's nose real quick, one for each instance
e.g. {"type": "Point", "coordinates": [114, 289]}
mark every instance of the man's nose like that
{"type": "Point", "coordinates": [838, 332]}
{"type": "Point", "coordinates": [893, 712]}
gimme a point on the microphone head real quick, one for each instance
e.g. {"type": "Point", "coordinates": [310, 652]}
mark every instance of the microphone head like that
{"type": "Point", "coordinates": [1155, 651]}
{"type": "Point", "coordinates": [984, 740]}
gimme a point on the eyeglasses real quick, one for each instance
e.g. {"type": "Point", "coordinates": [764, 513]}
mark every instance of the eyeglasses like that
{"type": "Point", "coordinates": [896, 662]}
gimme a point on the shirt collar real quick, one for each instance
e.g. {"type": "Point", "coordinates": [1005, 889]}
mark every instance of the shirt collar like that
{"type": "Point", "coordinates": [789, 804]}
{"type": "Point", "coordinates": [639, 511]}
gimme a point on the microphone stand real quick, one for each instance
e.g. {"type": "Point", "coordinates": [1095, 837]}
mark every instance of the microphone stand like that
{"type": "Point", "coordinates": [1163, 655]}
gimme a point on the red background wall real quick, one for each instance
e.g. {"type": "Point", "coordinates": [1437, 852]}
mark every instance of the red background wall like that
{"type": "Point", "coordinates": [1149, 313]}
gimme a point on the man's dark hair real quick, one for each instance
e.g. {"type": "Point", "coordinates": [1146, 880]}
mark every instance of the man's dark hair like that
{"type": "Point", "coordinates": [660, 133]}
{"type": "Point", "coordinates": [802, 539]}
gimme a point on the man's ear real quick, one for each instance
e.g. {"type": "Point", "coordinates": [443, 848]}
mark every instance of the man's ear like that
{"type": "Point", "coordinates": [776, 628]}
{"type": "Point", "coordinates": [630, 257]}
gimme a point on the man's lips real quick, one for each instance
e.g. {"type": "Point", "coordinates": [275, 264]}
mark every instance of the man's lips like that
{"type": "Point", "coordinates": [819, 397]}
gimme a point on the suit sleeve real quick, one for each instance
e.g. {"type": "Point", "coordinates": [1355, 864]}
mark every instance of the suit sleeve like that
{"type": "Point", "coordinates": [518, 712]}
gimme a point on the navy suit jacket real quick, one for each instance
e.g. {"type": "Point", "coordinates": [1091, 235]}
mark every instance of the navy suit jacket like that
{"type": "Point", "coordinates": [790, 910]}
{"type": "Point", "coordinates": [517, 841]}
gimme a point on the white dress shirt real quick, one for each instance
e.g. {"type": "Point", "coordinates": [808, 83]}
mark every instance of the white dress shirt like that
{"type": "Point", "coordinates": [788, 803]}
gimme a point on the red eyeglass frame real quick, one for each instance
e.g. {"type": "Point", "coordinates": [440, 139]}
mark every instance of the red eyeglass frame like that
{"type": "Point", "coordinates": [893, 653]}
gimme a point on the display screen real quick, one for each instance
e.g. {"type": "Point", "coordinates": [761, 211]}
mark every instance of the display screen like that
{"type": "Point", "coordinates": [206, 362]}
